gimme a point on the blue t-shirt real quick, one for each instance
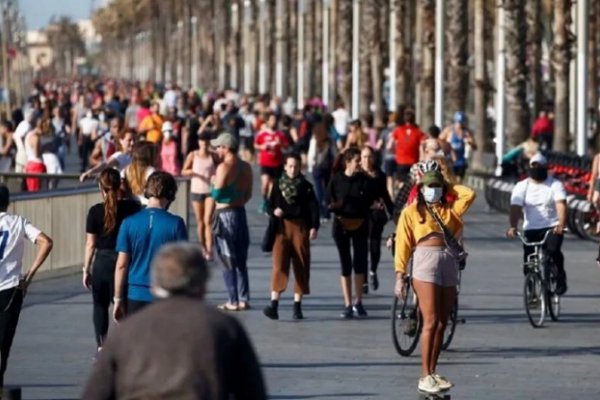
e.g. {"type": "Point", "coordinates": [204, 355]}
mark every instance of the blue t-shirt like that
{"type": "Point", "coordinates": [140, 236]}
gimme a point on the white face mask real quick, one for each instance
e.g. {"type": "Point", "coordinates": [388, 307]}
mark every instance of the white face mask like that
{"type": "Point", "coordinates": [432, 194]}
{"type": "Point", "coordinates": [167, 134]}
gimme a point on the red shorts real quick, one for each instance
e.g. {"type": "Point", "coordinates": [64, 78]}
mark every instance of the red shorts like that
{"type": "Point", "coordinates": [34, 167]}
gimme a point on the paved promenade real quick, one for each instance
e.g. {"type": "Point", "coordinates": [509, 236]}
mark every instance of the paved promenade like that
{"type": "Point", "coordinates": [495, 354]}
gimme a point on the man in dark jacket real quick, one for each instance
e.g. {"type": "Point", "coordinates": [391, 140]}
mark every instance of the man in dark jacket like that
{"type": "Point", "coordinates": [177, 348]}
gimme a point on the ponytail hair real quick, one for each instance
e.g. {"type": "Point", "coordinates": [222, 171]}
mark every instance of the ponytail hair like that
{"type": "Point", "coordinates": [110, 184]}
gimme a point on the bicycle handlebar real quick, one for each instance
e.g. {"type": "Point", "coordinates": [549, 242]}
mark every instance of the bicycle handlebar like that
{"type": "Point", "coordinates": [540, 243]}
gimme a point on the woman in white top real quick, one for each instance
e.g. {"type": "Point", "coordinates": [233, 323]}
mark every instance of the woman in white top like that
{"type": "Point", "coordinates": [119, 159]}
{"type": "Point", "coordinates": [142, 166]}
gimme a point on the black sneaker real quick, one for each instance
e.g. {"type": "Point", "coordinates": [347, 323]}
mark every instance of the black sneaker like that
{"type": "Point", "coordinates": [360, 310]}
{"type": "Point", "coordinates": [374, 281]}
{"type": "Point", "coordinates": [348, 313]}
{"type": "Point", "coordinates": [271, 312]}
{"type": "Point", "coordinates": [365, 288]}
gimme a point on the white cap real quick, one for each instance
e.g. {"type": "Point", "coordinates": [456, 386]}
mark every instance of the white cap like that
{"type": "Point", "coordinates": [538, 158]}
{"type": "Point", "coordinates": [167, 126]}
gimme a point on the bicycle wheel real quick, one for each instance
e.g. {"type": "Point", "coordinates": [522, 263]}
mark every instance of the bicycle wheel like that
{"type": "Point", "coordinates": [450, 326]}
{"type": "Point", "coordinates": [534, 296]}
{"type": "Point", "coordinates": [406, 322]}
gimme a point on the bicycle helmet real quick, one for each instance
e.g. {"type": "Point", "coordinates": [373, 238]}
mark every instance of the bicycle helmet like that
{"type": "Point", "coordinates": [426, 166]}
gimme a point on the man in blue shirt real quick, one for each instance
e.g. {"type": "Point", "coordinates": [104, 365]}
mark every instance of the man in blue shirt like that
{"type": "Point", "coordinates": [140, 237]}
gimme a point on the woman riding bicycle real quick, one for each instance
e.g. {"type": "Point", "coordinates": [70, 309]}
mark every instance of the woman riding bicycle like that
{"type": "Point", "coordinates": [435, 271]}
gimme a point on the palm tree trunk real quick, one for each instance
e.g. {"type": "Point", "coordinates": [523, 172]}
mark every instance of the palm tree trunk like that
{"type": "Point", "coordinates": [318, 47]}
{"type": "Point", "coordinates": [534, 43]}
{"type": "Point", "coordinates": [458, 41]}
{"type": "Point", "coordinates": [187, 43]}
{"type": "Point", "coordinates": [480, 121]}
{"type": "Point", "coordinates": [376, 61]}
{"type": "Point", "coordinates": [402, 79]}
{"type": "Point", "coordinates": [517, 117]}
{"type": "Point", "coordinates": [292, 48]}
{"type": "Point", "coordinates": [367, 24]}
{"type": "Point", "coordinates": [309, 49]}
{"type": "Point", "coordinates": [344, 52]}
{"type": "Point", "coordinates": [428, 49]}
{"type": "Point", "coordinates": [561, 56]}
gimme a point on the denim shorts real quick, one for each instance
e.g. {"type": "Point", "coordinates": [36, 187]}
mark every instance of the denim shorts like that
{"type": "Point", "coordinates": [435, 265]}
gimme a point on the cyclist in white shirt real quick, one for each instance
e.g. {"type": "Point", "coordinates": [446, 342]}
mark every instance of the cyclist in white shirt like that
{"type": "Point", "coordinates": [541, 200]}
{"type": "Point", "coordinates": [14, 229]}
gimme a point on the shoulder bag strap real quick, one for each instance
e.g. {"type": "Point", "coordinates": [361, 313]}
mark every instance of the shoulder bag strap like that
{"type": "Point", "coordinates": [448, 236]}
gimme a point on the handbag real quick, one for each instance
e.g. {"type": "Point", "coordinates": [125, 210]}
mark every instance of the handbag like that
{"type": "Point", "coordinates": [270, 233]}
{"type": "Point", "coordinates": [454, 247]}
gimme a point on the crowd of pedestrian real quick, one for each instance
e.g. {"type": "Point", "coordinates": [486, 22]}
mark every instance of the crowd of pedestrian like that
{"type": "Point", "coordinates": [316, 168]}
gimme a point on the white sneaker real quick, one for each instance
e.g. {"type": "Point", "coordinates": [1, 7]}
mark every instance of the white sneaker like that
{"type": "Point", "coordinates": [442, 382]}
{"type": "Point", "coordinates": [429, 385]}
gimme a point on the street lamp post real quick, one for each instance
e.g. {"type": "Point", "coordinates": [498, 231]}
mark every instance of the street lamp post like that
{"type": "Point", "coordinates": [393, 65]}
{"type": "Point", "coordinates": [300, 76]}
{"type": "Point", "coordinates": [247, 42]}
{"type": "Point", "coordinates": [262, 50]}
{"type": "Point", "coordinates": [440, 11]}
{"type": "Point", "coordinates": [582, 62]}
{"type": "Point", "coordinates": [325, 90]}
{"type": "Point", "coordinates": [500, 89]}
{"type": "Point", "coordinates": [355, 58]}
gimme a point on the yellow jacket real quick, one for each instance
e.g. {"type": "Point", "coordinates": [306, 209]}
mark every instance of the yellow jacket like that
{"type": "Point", "coordinates": [410, 230]}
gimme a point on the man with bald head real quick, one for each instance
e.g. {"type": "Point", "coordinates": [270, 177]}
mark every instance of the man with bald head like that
{"type": "Point", "coordinates": [178, 347]}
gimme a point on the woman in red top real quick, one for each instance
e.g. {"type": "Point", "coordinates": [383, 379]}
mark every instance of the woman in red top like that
{"type": "Point", "coordinates": [270, 143]}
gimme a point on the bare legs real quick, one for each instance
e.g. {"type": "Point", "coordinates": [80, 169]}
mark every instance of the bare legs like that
{"type": "Point", "coordinates": [435, 303]}
{"type": "Point", "coordinates": [346, 283]}
{"type": "Point", "coordinates": [203, 214]}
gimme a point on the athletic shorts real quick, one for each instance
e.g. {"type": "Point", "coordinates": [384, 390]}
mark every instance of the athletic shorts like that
{"type": "Point", "coordinates": [460, 171]}
{"type": "Point", "coordinates": [273, 172]}
{"type": "Point", "coordinates": [403, 171]}
{"type": "Point", "coordinates": [199, 197]}
{"type": "Point", "coordinates": [247, 143]}
{"type": "Point", "coordinates": [390, 167]}
{"type": "Point", "coordinates": [435, 265]}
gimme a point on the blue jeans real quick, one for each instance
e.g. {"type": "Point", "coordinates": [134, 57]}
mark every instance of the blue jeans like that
{"type": "Point", "coordinates": [321, 179]}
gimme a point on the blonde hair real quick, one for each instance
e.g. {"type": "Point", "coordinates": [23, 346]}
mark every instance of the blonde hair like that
{"type": "Point", "coordinates": [144, 156]}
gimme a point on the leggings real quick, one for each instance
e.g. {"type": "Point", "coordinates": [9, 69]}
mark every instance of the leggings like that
{"type": "Point", "coordinates": [357, 241]}
{"type": "Point", "coordinates": [103, 286]}
{"type": "Point", "coordinates": [375, 232]}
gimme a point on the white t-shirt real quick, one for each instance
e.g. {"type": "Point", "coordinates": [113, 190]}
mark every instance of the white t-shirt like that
{"type": "Point", "coordinates": [341, 119]}
{"type": "Point", "coordinates": [13, 229]}
{"type": "Point", "coordinates": [538, 201]}
{"type": "Point", "coordinates": [88, 125]}
{"type": "Point", "coordinates": [122, 159]}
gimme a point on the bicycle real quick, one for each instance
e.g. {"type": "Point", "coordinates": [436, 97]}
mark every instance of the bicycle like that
{"type": "Point", "coordinates": [407, 321]}
{"type": "Point", "coordinates": [539, 290]}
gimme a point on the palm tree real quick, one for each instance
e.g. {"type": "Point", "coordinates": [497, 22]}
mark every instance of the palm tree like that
{"type": "Point", "coordinates": [428, 48]}
{"type": "Point", "coordinates": [367, 24]}
{"type": "Point", "coordinates": [534, 44]}
{"type": "Point", "coordinates": [66, 42]}
{"type": "Point", "coordinates": [481, 84]}
{"type": "Point", "coordinates": [518, 122]}
{"type": "Point", "coordinates": [458, 70]}
{"type": "Point", "coordinates": [344, 52]}
{"type": "Point", "coordinates": [561, 56]}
